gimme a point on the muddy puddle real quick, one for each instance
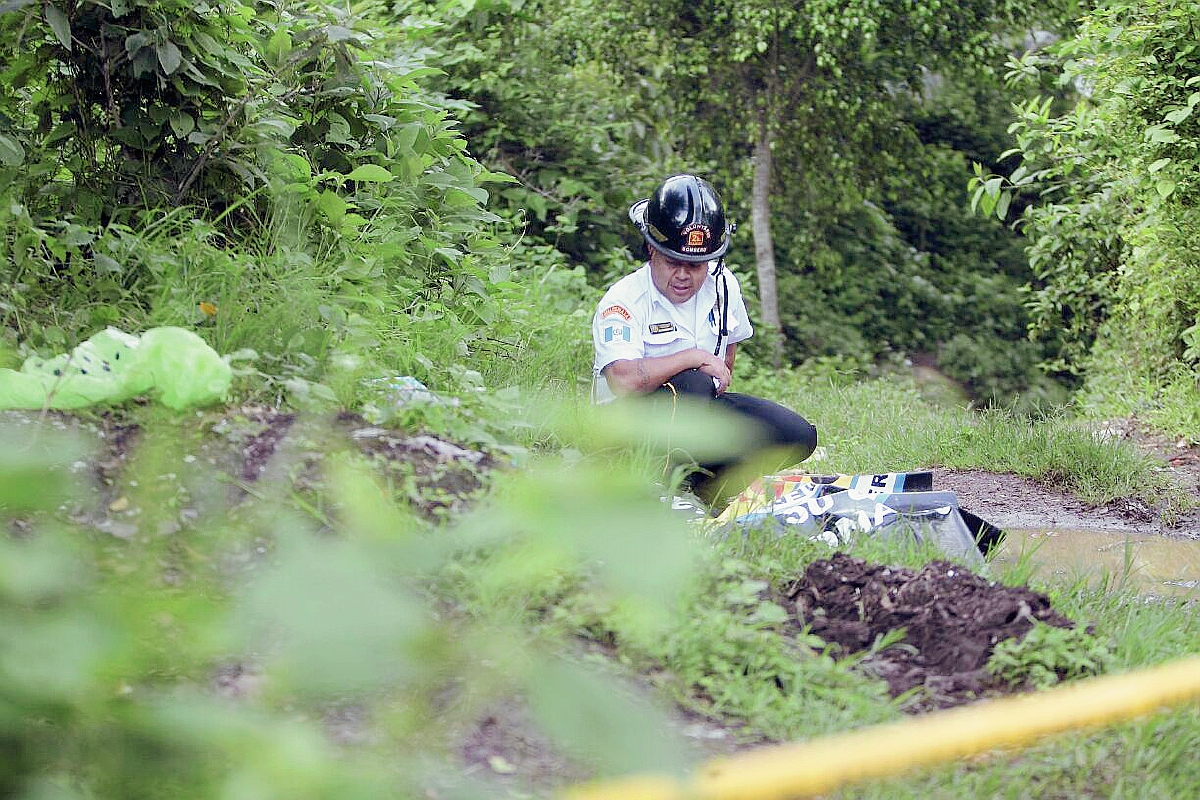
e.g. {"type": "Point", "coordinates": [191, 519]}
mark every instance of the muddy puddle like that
{"type": "Point", "coordinates": [1149, 565]}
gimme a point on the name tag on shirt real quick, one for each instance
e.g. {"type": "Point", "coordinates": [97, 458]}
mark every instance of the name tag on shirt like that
{"type": "Point", "coordinates": [662, 327]}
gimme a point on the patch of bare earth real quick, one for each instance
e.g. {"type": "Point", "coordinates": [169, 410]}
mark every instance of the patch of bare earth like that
{"type": "Point", "coordinates": [952, 619]}
{"type": "Point", "coordinates": [1012, 502]}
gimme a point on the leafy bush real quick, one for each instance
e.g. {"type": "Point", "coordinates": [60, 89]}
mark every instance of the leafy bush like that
{"type": "Point", "coordinates": [1007, 376]}
{"type": "Point", "coordinates": [224, 650]}
{"type": "Point", "coordinates": [533, 105]}
{"type": "Point", "coordinates": [915, 276]}
{"type": "Point", "coordinates": [110, 106]}
{"type": "Point", "coordinates": [1047, 655]}
{"type": "Point", "coordinates": [281, 181]}
{"type": "Point", "coordinates": [1112, 241]}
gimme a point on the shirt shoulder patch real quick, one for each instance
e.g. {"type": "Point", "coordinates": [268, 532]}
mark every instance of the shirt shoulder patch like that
{"type": "Point", "coordinates": [616, 311]}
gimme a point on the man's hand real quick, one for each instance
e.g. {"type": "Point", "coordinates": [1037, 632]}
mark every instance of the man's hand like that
{"type": "Point", "coordinates": [717, 368]}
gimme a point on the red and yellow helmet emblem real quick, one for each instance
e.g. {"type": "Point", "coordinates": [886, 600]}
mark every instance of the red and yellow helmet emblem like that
{"type": "Point", "coordinates": [696, 238]}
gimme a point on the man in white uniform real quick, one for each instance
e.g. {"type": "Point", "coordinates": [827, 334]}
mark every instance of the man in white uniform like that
{"type": "Point", "coordinates": [674, 324]}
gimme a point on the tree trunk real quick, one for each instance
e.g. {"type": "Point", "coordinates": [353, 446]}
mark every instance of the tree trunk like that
{"type": "Point", "coordinates": [764, 247]}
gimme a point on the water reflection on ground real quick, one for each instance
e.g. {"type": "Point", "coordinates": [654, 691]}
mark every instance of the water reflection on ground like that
{"type": "Point", "coordinates": [1144, 563]}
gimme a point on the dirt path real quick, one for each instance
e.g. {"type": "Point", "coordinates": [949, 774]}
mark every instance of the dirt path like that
{"type": "Point", "coordinates": [1014, 503]}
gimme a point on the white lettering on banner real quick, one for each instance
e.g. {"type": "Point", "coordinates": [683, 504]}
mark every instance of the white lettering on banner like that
{"type": "Point", "coordinates": [845, 528]}
{"type": "Point", "coordinates": [862, 520]}
{"type": "Point", "coordinates": [799, 511]}
{"type": "Point", "coordinates": [820, 505]}
{"type": "Point", "coordinates": [797, 516]}
{"type": "Point", "coordinates": [794, 500]}
{"type": "Point", "coordinates": [787, 503]}
{"type": "Point", "coordinates": [861, 486]}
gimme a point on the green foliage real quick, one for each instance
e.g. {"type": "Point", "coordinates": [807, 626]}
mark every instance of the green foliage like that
{"type": "Point", "coordinates": [152, 104]}
{"type": "Point", "coordinates": [872, 111]}
{"type": "Point", "coordinates": [220, 644]}
{"type": "Point", "coordinates": [62, 280]}
{"type": "Point", "coordinates": [1112, 242]}
{"type": "Point", "coordinates": [885, 424]}
{"type": "Point", "coordinates": [1073, 248]}
{"type": "Point", "coordinates": [117, 647]}
{"type": "Point", "coordinates": [326, 224]}
{"type": "Point", "coordinates": [86, 692]}
{"type": "Point", "coordinates": [108, 105]}
{"type": "Point", "coordinates": [292, 181]}
{"type": "Point", "coordinates": [1001, 376]}
{"type": "Point", "coordinates": [533, 108]}
{"type": "Point", "coordinates": [732, 657]}
{"type": "Point", "coordinates": [539, 79]}
{"type": "Point", "coordinates": [1047, 655]}
{"type": "Point", "coordinates": [913, 274]}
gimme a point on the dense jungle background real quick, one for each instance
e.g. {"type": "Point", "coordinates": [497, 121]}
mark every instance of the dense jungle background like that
{"type": "Point", "coordinates": [422, 187]}
{"type": "Point", "coordinates": [997, 195]}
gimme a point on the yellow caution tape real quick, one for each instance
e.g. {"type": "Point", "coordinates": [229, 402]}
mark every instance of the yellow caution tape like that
{"type": "Point", "coordinates": [808, 768]}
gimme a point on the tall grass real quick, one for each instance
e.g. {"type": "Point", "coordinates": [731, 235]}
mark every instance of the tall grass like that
{"type": "Point", "coordinates": [884, 425]}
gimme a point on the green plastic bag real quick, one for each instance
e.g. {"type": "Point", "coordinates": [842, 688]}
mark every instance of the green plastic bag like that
{"type": "Point", "coordinates": [173, 365]}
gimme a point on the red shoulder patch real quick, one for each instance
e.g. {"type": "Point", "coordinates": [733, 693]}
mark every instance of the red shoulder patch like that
{"type": "Point", "coordinates": [616, 311]}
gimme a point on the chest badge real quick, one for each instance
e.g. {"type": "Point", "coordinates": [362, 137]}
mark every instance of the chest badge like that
{"type": "Point", "coordinates": [662, 327]}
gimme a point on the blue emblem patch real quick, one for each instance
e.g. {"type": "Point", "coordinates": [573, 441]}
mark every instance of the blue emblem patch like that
{"type": "Point", "coordinates": [617, 331]}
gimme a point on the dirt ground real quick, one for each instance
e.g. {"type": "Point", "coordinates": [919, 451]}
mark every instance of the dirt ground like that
{"type": "Point", "coordinates": [1012, 502]}
{"type": "Point", "coordinates": [953, 617]}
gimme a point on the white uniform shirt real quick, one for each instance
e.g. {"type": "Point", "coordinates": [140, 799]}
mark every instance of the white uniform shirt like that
{"type": "Point", "coordinates": [634, 320]}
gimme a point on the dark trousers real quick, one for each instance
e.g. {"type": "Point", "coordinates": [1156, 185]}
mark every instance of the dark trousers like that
{"type": "Point", "coordinates": [784, 437]}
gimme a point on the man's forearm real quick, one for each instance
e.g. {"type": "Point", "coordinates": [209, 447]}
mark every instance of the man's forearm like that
{"type": "Point", "coordinates": [643, 375]}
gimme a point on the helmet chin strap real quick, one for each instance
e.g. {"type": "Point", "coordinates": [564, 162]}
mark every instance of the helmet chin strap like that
{"type": "Point", "coordinates": [723, 292]}
{"type": "Point", "coordinates": [723, 302]}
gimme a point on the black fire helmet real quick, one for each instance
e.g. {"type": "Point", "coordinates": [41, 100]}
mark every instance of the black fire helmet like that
{"type": "Point", "coordinates": [684, 219]}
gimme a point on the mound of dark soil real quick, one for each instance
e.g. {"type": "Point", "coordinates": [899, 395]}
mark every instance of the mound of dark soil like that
{"type": "Point", "coordinates": [952, 620]}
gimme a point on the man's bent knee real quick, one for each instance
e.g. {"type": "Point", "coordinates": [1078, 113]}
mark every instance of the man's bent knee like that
{"type": "Point", "coordinates": [691, 382]}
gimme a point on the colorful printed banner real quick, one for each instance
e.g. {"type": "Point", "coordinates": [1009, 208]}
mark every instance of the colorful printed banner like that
{"type": "Point", "coordinates": [837, 508]}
